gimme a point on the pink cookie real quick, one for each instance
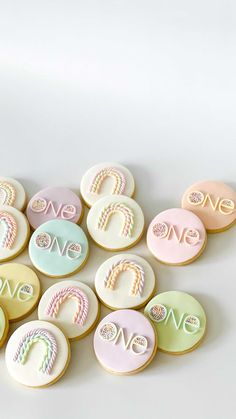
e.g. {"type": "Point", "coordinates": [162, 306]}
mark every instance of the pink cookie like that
{"type": "Point", "coordinates": [54, 203]}
{"type": "Point", "coordinates": [176, 236]}
{"type": "Point", "coordinates": [125, 342]}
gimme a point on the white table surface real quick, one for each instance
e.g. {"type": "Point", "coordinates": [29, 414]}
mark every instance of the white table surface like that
{"type": "Point", "coordinates": [150, 84]}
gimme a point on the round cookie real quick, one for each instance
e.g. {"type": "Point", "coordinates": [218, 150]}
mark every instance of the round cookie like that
{"type": "Point", "coordinates": [14, 232]}
{"type": "Point", "coordinates": [179, 320]}
{"type": "Point", "coordinates": [19, 290]}
{"type": "Point", "coordinates": [37, 354]}
{"type": "Point", "coordinates": [58, 248]}
{"type": "Point", "coordinates": [125, 342]}
{"type": "Point", "coordinates": [106, 179]}
{"type": "Point", "coordinates": [125, 281]}
{"type": "Point", "coordinates": [72, 306]}
{"type": "Point", "coordinates": [176, 237]}
{"type": "Point", "coordinates": [4, 326]}
{"type": "Point", "coordinates": [115, 222]}
{"type": "Point", "coordinates": [213, 202]}
{"type": "Point", "coordinates": [54, 203]}
{"type": "Point", "coordinates": [12, 193]}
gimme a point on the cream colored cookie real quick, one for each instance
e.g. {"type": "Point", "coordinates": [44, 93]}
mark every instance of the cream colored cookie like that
{"type": "Point", "coordinates": [12, 193]}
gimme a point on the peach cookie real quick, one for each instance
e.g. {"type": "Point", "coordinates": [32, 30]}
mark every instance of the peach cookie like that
{"type": "Point", "coordinates": [19, 290]}
{"type": "Point", "coordinates": [54, 203]}
{"type": "Point", "coordinates": [179, 320]}
{"type": "Point", "coordinates": [125, 281]}
{"type": "Point", "coordinates": [106, 179]}
{"type": "Point", "coordinates": [14, 232]}
{"type": "Point", "coordinates": [176, 236]}
{"type": "Point", "coordinates": [213, 202]}
{"type": "Point", "coordinates": [4, 326]}
{"type": "Point", "coordinates": [12, 193]}
{"type": "Point", "coordinates": [115, 222]}
{"type": "Point", "coordinates": [37, 354]}
{"type": "Point", "coordinates": [70, 305]}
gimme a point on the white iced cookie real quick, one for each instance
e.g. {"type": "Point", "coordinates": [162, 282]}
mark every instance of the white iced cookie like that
{"type": "Point", "coordinates": [106, 179]}
{"type": "Point", "coordinates": [70, 305]}
{"type": "Point", "coordinates": [12, 193]}
{"type": "Point", "coordinates": [115, 222]}
{"type": "Point", "coordinates": [125, 281]}
{"type": "Point", "coordinates": [37, 354]}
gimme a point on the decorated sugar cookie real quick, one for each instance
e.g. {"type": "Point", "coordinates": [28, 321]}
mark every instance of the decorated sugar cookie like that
{"type": "Point", "coordinates": [37, 354]}
{"type": "Point", "coordinates": [115, 222]}
{"type": "Point", "coordinates": [213, 202]}
{"type": "Point", "coordinates": [176, 236]}
{"type": "Point", "coordinates": [19, 290]}
{"type": "Point", "coordinates": [54, 203]}
{"type": "Point", "coordinates": [179, 320]}
{"type": "Point", "coordinates": [70, 305]}
{"type": "Point", "coordinates": [106, 179]}
{"type": "Point", "coordinates": [125, 281]}
{"type": "Point", "coordinates": [58, 248]}
{"type": "Point", "coordinates": [125, 342]}
{"type": "Point", "coordinates": [4, 325]}
{"type": "Point", "coordinates": [12, 193]}
{"type": "Point", "coordinates": [14, 232]}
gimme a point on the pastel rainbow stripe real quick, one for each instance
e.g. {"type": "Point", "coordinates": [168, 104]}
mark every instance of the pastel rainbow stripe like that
{"type": "Point", "coordinates": [119, 185]}
{"type": "Point", "coordinates": [66, 293]}
{"type": "Point", "coordinates": [34, 336]}
{"type": "Point", "coordinates": [122, 266]}
{"type": "Point", "coordinates": [10, 229]}
{"type": "Point", "coordinates": [121, 208]}
{"type": "Point", "coordinates": [9, 193]}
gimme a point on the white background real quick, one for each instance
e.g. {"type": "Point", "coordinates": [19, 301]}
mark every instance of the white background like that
{"type": "Point", "coordinates": [149, 84]}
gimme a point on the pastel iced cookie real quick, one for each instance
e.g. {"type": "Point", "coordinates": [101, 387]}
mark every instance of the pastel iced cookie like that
{"type": "Point", "coordinates": [179, 320]}
{"type": "Point", "coordinates": [4, 326]}
{"type": "Point", "coordinates": [19, 290]}
{"type": "Point", "coordinates": [14, 232]}
{"type": "Point", "coordinates": [12, 193]}
{"type": "Point", "coordinates": [115, 222]}
{"type": "Point", "coordinates": [176, 237]}
{"type": "Point", "coordinates": [125, 281]}
{"type": "Point", "coordinates": [106, 179]}
{"type": "Point", "coordinates": [125, 342]}
{"type": "Point", "coordinates": [72, 306]}
{"type": "Point", "coordinates": [54, 203]}
{"type": "Point", "coordinates": [58, 248]}
{"type": "Point", "coordinates": [37, 354]}
{"type": "Point", "coordinates": [213, 202]}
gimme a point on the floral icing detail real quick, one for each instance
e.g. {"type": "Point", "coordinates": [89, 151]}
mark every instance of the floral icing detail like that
{"type": "Point", "coordinates": [43, 240]}
{"type": "Point", "coordinates": [39, 204]}
{"type": "Point", "coordinates": [10, 229]}
{"type": "Point", "coordinates": [120, 180]}
{"type": "Point", "coordinates": [158, 312]}
{"type": "Point", "coordinates": [122, 266]}
{"type": "Point", "coordinates": [195, 198]}
{"type": "Point", "coordinates": [108, 331]}
{"type": "Point", "coordinates": [160, 230]}
{"type": "Point", "coordinates": [192, 320]}
{"type": "Point", "coordinates": [120, 208]}
{"type": "Point", "coordinates": [9, 193]}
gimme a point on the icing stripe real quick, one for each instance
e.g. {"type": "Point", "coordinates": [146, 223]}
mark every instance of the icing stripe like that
{"type": "Point", "coordinates": [119, 185]}
{"type": "Point", "coordinates": [9, 193]}
{"type": "Point", "coordinates": [10, 229]}
{"type": "Point", "coordinates": [122, 266]}
{"type": "Point", "coordinates": [123, 209]}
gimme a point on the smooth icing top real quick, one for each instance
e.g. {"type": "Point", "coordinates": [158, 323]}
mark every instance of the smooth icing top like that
{"type": "Point", "coordinates": [53, 203]}
{"type": "Point", "coordinates": [179, 319]}
{"type": "Point", "coordinates": [58, 248]}
{"type": "Point", "coordinates": [124, 281]}
{"type": "Point", "coordinates": [176, 236]}
{"type": "Point", "coordinates": [115, 222]}
{"type": "Point", "coordinates": [12, 193]}
{"type": "Point", "coordinates": [213, 202]}
{"type": "Point", "coordinates": [3, 323]}
{"type": "Point", "coordinates": [106, 179]}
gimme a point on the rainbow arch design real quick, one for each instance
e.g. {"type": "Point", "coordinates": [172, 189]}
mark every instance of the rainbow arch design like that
{"type": "Point", "coordinates": [125, 211]}
{"type": "Point", "coordinates": [10, 229]}
{"type": "Point", "coordinates": [74, 293]}
{"type": "Point", "coordinates": [9, 193]}
{"type": "Point", "coordinates": [122, 266]}
{"type": "Point", "coordinates": [120, 181]}
{"type": "Point", "coordinates": [34, 336]}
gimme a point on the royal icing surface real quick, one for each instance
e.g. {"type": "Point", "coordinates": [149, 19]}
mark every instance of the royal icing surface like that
{"type": "Point", "coordinates": [53, 203]}
{"type": "Point", "coordinates": [37, 353]}
{"type": "Point", "coordinates": [124, 341]}
{"type": "Point", "coordinates": [176, 236]}
{"type": "Point", "coordinates": [58, 248]}
{"type": "Point", "coordinates": [71, 305]}
{"type": "Point", "coordinates": [106, 179]}
{"type": "Point", "coordinates": [14, 232]}
{"type": "Point", "coordinates": [19, 290]}
{"type": "Point", "coordinates": [213, 202]}
{"type": "Point", "coordinates": [124, 281]}
{"type": "Point", "coordinates": [3, 326]}
{"type": "Point", "coordinates": [115, 222]}
{"type": "Point", "coordinates": [179, 319]}
{"type": "Point", "coordinates": [12, 193]}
